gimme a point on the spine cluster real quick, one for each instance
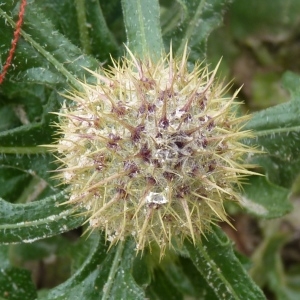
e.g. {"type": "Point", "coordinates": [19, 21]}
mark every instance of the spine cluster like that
{"type": "Point", "coordinates": [152, 151]}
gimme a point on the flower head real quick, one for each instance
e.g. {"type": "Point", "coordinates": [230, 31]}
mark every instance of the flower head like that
{"type": "Point", "coordinates": [152, 150]}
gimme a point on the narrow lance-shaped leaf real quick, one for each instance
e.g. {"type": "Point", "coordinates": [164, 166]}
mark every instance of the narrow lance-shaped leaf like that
{"type": "Point", "coordinates": [265, 199]}
{"type": "Point", "coordinates": [43, 46]}
{"type": "Point", "coordinates": [215, 260]}
{"type": "Point", "coordinates": [100, 35]}
{"type": "Point", "coordinates": [14, 283]}
{"type": "Point", "coordinates": [277, 133]}
{"type": "Point", "coordinates": [36, 220]}
{"type": "Point", "coordinates": [143, 28]}
{"type": "Point", "coordinates": [277, 129]}
{"type": "Point", "coordinates": [197, 20]}
{"type": "Point", "coordinates": [103, 275]}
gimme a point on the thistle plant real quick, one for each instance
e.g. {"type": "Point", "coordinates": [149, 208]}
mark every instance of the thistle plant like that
{"type": "Point", "coordinates": [152, 150]}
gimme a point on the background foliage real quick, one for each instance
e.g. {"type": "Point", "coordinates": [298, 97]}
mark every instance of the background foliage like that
{"type": "Point", "coordinates": [41, 255]}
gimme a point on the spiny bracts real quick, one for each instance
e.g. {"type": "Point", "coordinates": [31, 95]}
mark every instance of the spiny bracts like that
{"type": "Point", "coordinates": [152, 151]}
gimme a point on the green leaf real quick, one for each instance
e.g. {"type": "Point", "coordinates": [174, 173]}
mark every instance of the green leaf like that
{"type": "Point", "coordinates": [49, 58]}
{"type": "Point", "coordinates": [141, 270]}
{"type": "Point", "coordinates": [264, 199]}
{"type": "Point", "coordinates": [36, 220]}
{"type": "Point", "coordinates": [83, 26]}
{"type": "Point", "coordinates": [197, 20]}
{"type": "Point", "coordinates": [22, 186]}
{"type": "Point", "coordinates": [277, 129]}
{"type": "Point", "coordinates": [8, 118]}
{"type": "Point", "coordinates": [24, 139]}
{"type": "Point", "coordinates": [103, 275]}
{"type": "Point", "coordinates": [273, 17]}
{"type": "Point", "coordinates": [141, 19]}
{"type": "Point", "coordinates": [100, 35]}
{"type": "Point", "coordinates": [16, 284]}
{"type": "Point", "coordinates": [268, 269]}
{"type": "Point", "coordinates": [123, 286]}
{"type": "Point", "coordinates": [161, 288]}
{"type": "Point", "coordinates": [4, 261]}
{"type": "Point", "coordinates": [27, 137]}
{"type": "Point", "coordinates": [267, 258]}
{"type": "Point", "coordinates": [63, 16]}
{"type": "Point", "coordinates": [200, 287]}
{"type": "Point", "coordinates": [58, 246]}
{"type": "Point", "coordinates": [291, 288]}
{"type": "Point", "coordinates": [184, 277]}
{"type": "Point", "coordinates": [40, 75]}
{"type": "Point", "coordinates": [215, 260]}
{"type": "Point", "coordinates": [42, 45]}
{"type": "Point", "coordinates": [86, 17]}
{"type": "Point", "coordinates": [18, 164]}
{"type": "Point", "coordinates": [277, 133]}
{"type": "Point", "coordinates": [22, 162]}
{"type": "Point", "coordinates": [174, 273]}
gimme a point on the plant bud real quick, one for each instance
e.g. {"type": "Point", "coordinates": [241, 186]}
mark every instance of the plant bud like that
{"type": "Point", "coordinates": [152, 151]}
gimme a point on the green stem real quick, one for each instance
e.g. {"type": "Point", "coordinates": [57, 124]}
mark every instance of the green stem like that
{"type": "Point", "coordinates": [60, 68]}
{"type": "Point", "coordinates": [82, 26]}
{"type": "Point", "coordinates": [113, 271]}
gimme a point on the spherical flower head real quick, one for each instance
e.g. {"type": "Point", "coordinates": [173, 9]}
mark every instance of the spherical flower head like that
{"type": "Point", "coordinates": [152, 151]}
